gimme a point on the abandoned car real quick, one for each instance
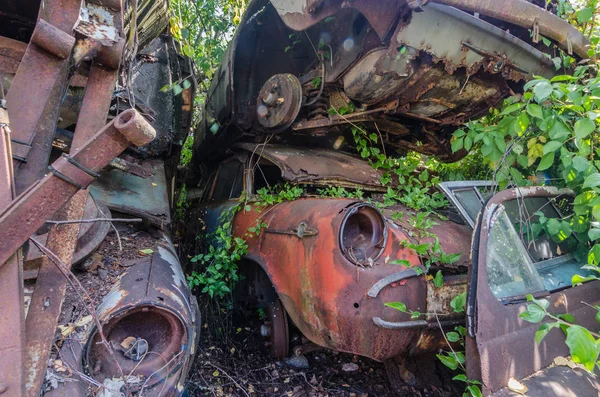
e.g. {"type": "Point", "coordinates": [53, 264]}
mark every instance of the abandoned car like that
{"type": "Point", "coordinates": [305, 71]}
{"type": "Point", "coordinates": [331, 264]}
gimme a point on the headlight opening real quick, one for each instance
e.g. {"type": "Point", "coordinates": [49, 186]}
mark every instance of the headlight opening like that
{"type": "Point", "coordinates": [363, 234]}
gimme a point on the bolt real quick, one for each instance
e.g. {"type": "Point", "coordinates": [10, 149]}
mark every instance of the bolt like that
{"type": "Point", "coordinates": [3, 387]}
{"type": "Point", "coordinates": [269, 99]}
{"type": "Point", "coordinates": [263, 111]}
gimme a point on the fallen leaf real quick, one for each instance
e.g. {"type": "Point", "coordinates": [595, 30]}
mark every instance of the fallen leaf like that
{"type": "Point", "coordinates": [350, 367]}
{"type": "Point", "coordinates": [232, 350]}
{"type": "Point", "coordinates": [146, 251]}
{"type": "Point", "coordinates": [286, 380]}
{"type": "Point", "coordinates": [66, 330]}
{"type": "Point", "coordinates": [216, 373]}
{"type": "Point", "coordinates": [516, 386]}
{"type": "Point", "coordinates": [85, 320]}
{"type": "Point", "coordinates": [154, 184]}
{"type": "Point", "coordinates": [127, 342]}
{"type": "Point", "coordinates": [59, 366]}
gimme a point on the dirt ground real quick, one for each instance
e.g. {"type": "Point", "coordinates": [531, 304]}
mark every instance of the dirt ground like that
{"type": "Point", "coordinates": [233, 361]}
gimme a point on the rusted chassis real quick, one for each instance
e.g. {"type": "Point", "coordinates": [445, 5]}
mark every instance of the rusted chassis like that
{"type": "Point", "coordinates": [331, 300]}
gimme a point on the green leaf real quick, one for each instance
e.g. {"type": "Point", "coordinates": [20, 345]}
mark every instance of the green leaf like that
{"type": "Point", "coordinates": [552, 146]}
{"type": "Point", "coordinates": [402, 262]}
{"type": "Point", "coordinates": [177, 89]}
{"type": "Point", "coordinates": [580, 163]}
{"type": "Point", "coordinates": [438, 280]}
{"type": "Point", "coordinates": [458, 302]}
{"type": "Point", "coordinates": [457, 144]}
{"type": "Point", "coordinates": [533, 314]}
{"type": "Point", "coordinates": [186, 84]}
{"type": "Point", "coordinates": [453, 336]}
{"type": "Point", "coordinates": [542, 90]}
{"type": "Point", "coordinates": [397, 305]}
{"type": "Point", "coordinates": [543, 331]}
{"type": "Point", "coordinates": [584, 15]}
{"type": "Point", "coordinates": [448, 361]}
{"type": "Point", "coordinates": [584, 127]}
{"type": "Point", "coordinates": [546, 162]}
{"type": "Point", "coordinates": [475, 391]}
{"type": "Point", "coordinates": [460, 377]}
{"type": "Point", "coordinates": [535, 110]}
{"type": "Point", "coordinates": [512, 108]}
{"type": "Point", "coordinates": [594, 255]}
{"type": "Point", "coordinates": [594, 234]}
{"type": "Point", "coordinates": [553, 226]}
{"type": "Point", "coordinates": [582, 346]}
{"type": "Point", "coordinates": [592, 180]}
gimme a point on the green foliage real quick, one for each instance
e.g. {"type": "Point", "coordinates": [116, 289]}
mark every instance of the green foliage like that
{"type": "Point", "coordinates": [549, 135]}
{"type": "Point", "coordinates": [409, 181]}
{"type": "Point", "coordinates": [219, 263]}
{"type": "Point", "coordinates": [203, 28]}
{"type": "Point", "coordinates": [186, 150]}
{"type": "Point", "coordinates": [452, 358]}
{"type": "Point", "coordinates": [584, 345]}
{"type": "Point", "coordinates": [340, 192]}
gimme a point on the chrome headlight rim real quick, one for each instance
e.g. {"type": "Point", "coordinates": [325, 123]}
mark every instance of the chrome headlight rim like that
{"type": "Point", "coordinates": [371, 219]}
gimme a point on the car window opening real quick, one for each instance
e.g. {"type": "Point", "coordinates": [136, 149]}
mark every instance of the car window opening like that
{"type": "Point", "coordinates": [521, 258]}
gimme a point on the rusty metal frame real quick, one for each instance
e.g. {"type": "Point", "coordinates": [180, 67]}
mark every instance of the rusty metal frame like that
{"type": "Point", "coordinates": [31, 209]}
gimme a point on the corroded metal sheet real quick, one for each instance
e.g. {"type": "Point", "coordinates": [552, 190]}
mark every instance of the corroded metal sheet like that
{"type": "Point", "coordinates": [497, 341]}
{"type": "Point", "coordinates": [320, 166]}
{"type": "Point", "coordinates": [152, 303]}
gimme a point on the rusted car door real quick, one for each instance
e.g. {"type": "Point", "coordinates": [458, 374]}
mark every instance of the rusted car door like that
{"type": "Point", "coordinates": [508, 265]}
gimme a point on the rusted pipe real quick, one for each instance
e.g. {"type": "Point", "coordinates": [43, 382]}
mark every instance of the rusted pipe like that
{"type": "Point", "coordinates": [32, 208]}
{"type": "Point", "coordinates": [52, 39]}
{"type": "Point", "coordinates": [528, 15]}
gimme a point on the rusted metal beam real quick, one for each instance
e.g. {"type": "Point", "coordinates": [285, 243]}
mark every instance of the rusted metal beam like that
{"type": "Point", "coordinates": [12, 338]}
{"type": "Point", "coordinates": [31, 209]}
{"type": "Point", "coordinates": [527, 15]}
{"type": "Point", "coordinates": [51, 286]}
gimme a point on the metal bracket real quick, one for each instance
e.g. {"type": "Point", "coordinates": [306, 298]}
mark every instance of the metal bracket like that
{"type": "Point", "coordinates": [301, 231]}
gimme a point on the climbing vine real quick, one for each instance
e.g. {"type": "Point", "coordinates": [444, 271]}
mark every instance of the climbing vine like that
{"type": "Point", "coordinates": [219, 262]}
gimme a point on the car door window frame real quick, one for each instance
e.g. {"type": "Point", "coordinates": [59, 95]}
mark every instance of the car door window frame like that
{"type": "Point", "coordinates": [451, 188]}
{"type": "Point", "coordinates": [240, 177]}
